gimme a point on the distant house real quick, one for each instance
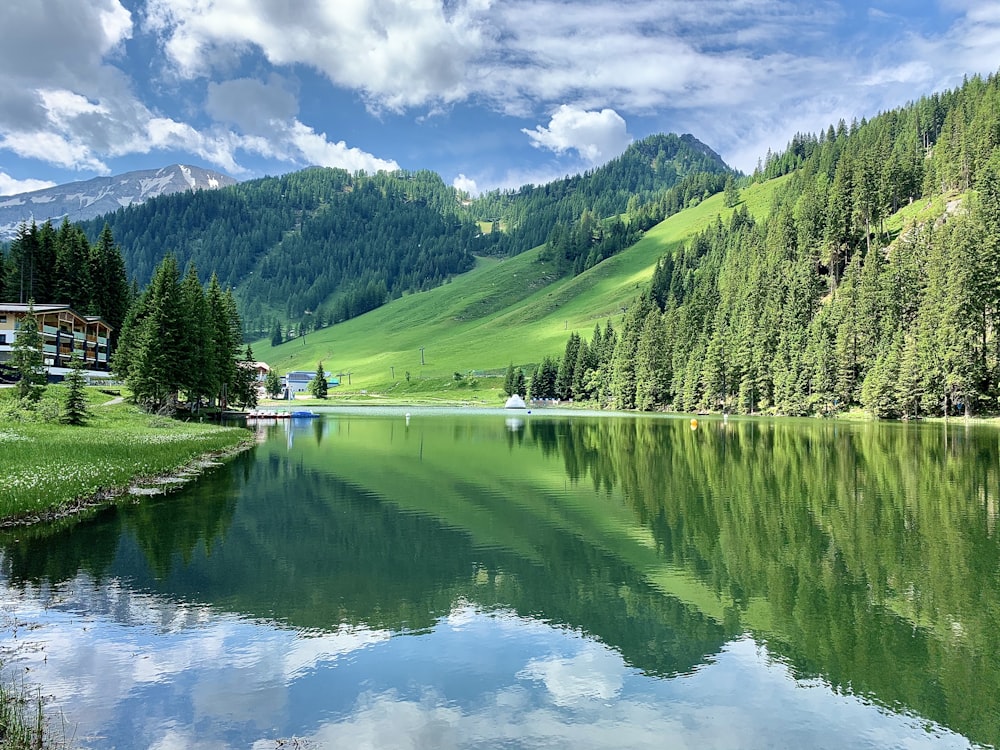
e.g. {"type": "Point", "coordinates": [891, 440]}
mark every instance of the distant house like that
{"type": "Point", "coordinates": [66, 336]}
{"type": "Point", "coordinates": [298, 381]}
{"type": "Point", "coordinates": [260, 369]}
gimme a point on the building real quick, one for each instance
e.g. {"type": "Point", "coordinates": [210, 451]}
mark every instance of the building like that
{"type": "Point", "coordinates": [298, 381]}
{"type": "Point", "coordinates": [66, 335]}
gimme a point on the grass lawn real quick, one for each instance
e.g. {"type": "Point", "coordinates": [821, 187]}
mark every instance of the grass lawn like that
{"type": "Point", "coordinates": [49, 468]}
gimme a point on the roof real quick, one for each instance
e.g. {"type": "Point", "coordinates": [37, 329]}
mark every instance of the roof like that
{"type": "Point", "coordinates": [18, 307]}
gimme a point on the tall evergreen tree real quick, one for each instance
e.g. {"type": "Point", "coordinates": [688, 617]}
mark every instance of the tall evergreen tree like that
{"type": "Point", "coordinates": [198, 368]}
{"type": "Point", "coordinates": [245, 385]}
{"type": "Point", "coordinates": [159, 347]}
{"type": "Point", "coordinates": [319, 386]}
{"type": "Point", "coordinates": [26, 358]}
{"type": "Point", "coordinates": [76, 412]}
{"type": "Point", "coordinates": [111, 293]}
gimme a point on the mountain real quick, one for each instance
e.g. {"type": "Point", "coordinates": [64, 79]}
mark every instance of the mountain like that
{"type": "Point", "coordinates": [323, 245]}
{"type": "Point", "coordinates": [641, 175]}
{"type": "Point", "coordinates": [86, 199]}
{"type": "Point", "coordinates": [857, 269]}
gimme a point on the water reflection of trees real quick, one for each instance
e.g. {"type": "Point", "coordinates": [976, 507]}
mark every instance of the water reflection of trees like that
{"type": "Point", "coordinates": [873, 546]}
{"type": "Point", "coordinates": [168, 532]}
{"type": "Point", "coordinates": [864, 554]}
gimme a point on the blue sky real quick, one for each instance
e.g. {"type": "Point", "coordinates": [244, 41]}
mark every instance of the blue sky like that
{"type": "Point", "coordinates": [488, 93]}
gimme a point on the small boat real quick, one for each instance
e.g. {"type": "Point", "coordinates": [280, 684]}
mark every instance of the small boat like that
{"type": "Point", "coordinates": [304, 414]}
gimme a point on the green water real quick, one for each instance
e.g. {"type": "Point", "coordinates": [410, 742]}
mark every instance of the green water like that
{"type": "Point", "coordinates": [460, 579]}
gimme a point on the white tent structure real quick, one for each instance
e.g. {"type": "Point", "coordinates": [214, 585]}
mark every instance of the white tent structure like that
{"type": "Point", "coordinates": [515, 402]}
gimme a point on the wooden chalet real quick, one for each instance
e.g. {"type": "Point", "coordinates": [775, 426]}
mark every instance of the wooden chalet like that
{"type": "Point", "coordinates": [66, 335]}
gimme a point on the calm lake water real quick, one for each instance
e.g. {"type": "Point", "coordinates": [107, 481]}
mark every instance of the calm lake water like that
{"type": "Point", "coordinates": [485, 580]}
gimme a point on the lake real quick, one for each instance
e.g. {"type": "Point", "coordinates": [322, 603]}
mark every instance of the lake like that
{"type": "Point", "coordinates": [462, 579]}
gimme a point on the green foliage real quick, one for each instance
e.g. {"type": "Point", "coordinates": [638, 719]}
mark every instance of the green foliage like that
{"type": "Point", "coordinates": [244, 393]}
{"type": "Point", "coordinates": [26, 359]}
{"type": "Point", "coordinates": [319, 242]}
{"type": "Point", "coordinates": [272, 383]}
{"type": "Point", "coordinates": [731, 193]}
{"type": "Point", "coordinates": [642, 179]}
{"type": "Point", "coordinates": [818, 308]}
{"type": "Point", "coordinates": [75, 406]}
{"type": "Point", "coordinates": [179, 337]}
{"type": "Point", "coordinates": [62, 267]}
{"type": "Point", "coordinates": [319, 386]}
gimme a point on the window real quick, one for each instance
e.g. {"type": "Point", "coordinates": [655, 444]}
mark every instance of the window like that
{"type": "Point", "coordinates": [3, 318]}
{"type": "Point", "coordinates": [3, 338]}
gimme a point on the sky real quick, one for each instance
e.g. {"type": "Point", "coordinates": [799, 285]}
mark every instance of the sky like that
{"type": "Point", "coordinates": [487, 93]}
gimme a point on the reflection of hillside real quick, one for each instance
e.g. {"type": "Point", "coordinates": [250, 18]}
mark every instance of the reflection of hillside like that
{"type": "Point", "coordinates": [874, 546]}
{"type": "Point", "coordinates": [310, 549]}
{"type": "Point", "coordinates": [863, 554]}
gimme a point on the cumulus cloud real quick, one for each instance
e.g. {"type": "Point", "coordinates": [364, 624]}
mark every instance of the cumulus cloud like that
{"type": "Point", "coordinates": [465, 185]}
{"type": "Point", "coordinates": [10, 186]}
{"type": "Point", "coordinates": [67, 95]}
{"type": "Point", "coordinates": [319, 151]}
{"type": "Point", "coordinates": [251, 105]}
{"type": "Point", "coordinates": [596, 136]}
{"type": "Point", "coordinates": [399, 53]}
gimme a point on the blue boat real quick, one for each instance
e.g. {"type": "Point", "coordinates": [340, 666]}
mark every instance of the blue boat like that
{"type": "Point", "coordinates": [304, 414]}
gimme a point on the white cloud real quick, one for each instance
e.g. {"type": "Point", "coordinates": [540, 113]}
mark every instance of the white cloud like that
{"type": "Point", "coordinates": [465, 185]}
{"type": "Point", "coordinates": [596, 136]}
{"type": "Point", "coordinates": [52, 148]}
{"type": "Point", "coordinates": [742, 76]}
{"type": "Point", "coordinates": [251, 105]}
{"type": "Point", "coordinates": [11, 186]}
{"type": "Point", "coordinates": [317, 150]}
{"type": "Point", "coordinates": [595, 673]}
{"type": "Point", "coordinates": [399, 53]}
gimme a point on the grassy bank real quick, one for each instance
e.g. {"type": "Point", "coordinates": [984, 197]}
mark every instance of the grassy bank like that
{"type": "Point", "coordinates": [23, 723]}
{"type": "Point", "coordinates": [50, 469]}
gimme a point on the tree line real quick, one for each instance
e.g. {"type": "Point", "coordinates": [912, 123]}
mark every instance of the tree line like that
{"type": "Point", "coordinates": [60, 266]}
{"type": "Point", "coordinates": [319, 245]}
{"type": "Point", "coordinates": [823, 305]}
{"type": "Point", "coordinates": [181, 338]}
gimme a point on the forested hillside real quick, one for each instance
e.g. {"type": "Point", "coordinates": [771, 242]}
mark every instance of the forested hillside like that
{"type": "Point", "coordinates": [319, 240]}
{"type": "Point", "coordinates": [638, 178]}
{"type": "Point", "coordinates": [873, 281]}
{"type": "Point", "coordinates": [49, 265]}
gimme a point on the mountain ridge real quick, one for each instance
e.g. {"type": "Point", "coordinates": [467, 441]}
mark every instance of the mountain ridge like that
{"type": "Point", "coordinates": [87, 199]}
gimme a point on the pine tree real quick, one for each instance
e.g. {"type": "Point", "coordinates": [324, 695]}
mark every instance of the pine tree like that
{"type": "Point", "coordinates": [245, 385]}
{"type": "Point", "coordinates": [26, 357]}
{"type": "Point", "coordinates": [521, 383]}
{"type": "Point", "coordinates": [196, 368]}
{"type": "Point", "coordinates": [731, 193]}
{"type": "Point", "coordinates": [652, 373]}
{"type": "Point", "coordinates": [510, 381]}
{"type": "Point", "coordinates": [159, 347]}
{"type": "Point", "coordinates": [76, 412]}
{"type": "Point", "coordinates": [272, 384]}
{"type": "Point", "coordinates": [565, 377]}
{"type": "Point", "coordinates": [73, 286]}
{"type": "Point", "coordinates": [318, 386]}
{"type": "Point", "coordinates": [111, 293]}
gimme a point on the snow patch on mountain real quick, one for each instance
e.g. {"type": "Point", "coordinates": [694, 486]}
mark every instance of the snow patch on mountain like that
{"type": "Point", "coordinates": [78, 201]}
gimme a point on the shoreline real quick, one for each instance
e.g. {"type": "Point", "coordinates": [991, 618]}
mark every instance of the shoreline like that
{"type": "Point", "coordinates": [138, 487]}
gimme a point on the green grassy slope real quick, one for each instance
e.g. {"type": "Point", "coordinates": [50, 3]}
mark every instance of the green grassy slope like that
{"type": "Point", "coordinates": [502, 312]}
